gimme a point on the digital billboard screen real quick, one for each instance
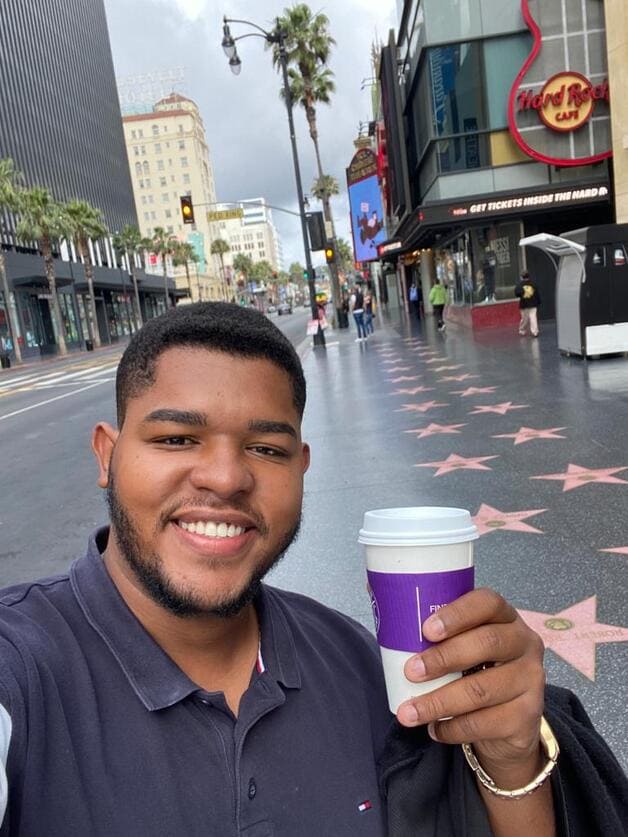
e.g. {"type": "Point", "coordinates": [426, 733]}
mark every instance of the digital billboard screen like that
{"type": "Point", "coordinates": [367, 218]}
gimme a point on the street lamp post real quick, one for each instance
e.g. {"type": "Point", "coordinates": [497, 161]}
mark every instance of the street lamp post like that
{"type": "Point", "coordinates": [278, 37]}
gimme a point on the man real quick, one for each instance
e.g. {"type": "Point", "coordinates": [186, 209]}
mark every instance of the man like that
{"type": "Point", "coordinates": [160, 688]}
{"type": "Point", "coordinates": [438, 300]}
{"type": "Point", "coordinates": [356, 305]}
{"type": "Point", "coordinates": [529, 301]}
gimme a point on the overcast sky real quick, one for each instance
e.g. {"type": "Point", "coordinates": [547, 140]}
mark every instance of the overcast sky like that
{"type": "Point", "coordinates": [245, 121]}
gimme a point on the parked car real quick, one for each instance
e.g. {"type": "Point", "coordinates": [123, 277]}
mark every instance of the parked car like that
{"type": "Point", "coordinates": [284, 308]}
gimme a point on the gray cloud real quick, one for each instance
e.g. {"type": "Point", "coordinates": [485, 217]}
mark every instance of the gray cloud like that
{"type": "Point", "coordinates": [245, 120]}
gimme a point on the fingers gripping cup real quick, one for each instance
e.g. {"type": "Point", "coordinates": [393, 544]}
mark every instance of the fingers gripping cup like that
{"type": "Point", "coordinates": [418, 559]}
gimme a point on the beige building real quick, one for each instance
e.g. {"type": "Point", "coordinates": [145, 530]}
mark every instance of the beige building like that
{"type": "Point", "coordinates": [169, 157]}
{"type": "Point", "coordinates": [617, 42]}
{"type": "Point", "coordinates": [253, 234]}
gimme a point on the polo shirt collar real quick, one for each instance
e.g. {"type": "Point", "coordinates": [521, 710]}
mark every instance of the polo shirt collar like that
{"type": "Point", "coordinates": [154, 676]}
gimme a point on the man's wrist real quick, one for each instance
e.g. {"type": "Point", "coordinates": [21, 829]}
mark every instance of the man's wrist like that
{"type": "Point", "coordinates": [514, 774]}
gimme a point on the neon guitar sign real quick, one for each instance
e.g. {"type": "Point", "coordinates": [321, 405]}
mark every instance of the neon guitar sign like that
{"type": "Point", "coordinates": [565, 103]}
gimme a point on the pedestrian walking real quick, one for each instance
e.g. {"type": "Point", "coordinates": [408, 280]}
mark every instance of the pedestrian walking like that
{"type": "Point", "coordinates": [369, 312]}
{"type": "Point", "coordinates": [161, 687]}
{"type": "Point", "coordinates": [438, 300]}
{"type": "Point", "coordinates": [529, 301]}
{"type": "Point", "coordinates": [357, 309]}
{"type": "Point", "coordinates": [414, 297]}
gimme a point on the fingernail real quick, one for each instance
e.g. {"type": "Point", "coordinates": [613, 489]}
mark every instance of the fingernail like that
{"type": "Point", "coordinates": [408, 715]}
{"type": "Point", "coordinates": [431, 731]}
{"type": "Point", "coordinates": [416, 667]}
{"type": "Point", "coordinates": [436, 626]}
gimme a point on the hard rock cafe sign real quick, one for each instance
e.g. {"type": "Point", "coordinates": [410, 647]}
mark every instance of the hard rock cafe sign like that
{"type": "Point", "coordinates": [565, 103]}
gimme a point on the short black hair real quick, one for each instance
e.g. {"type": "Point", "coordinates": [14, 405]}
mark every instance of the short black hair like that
{"type": "Point", "coordinates": [215, 326]}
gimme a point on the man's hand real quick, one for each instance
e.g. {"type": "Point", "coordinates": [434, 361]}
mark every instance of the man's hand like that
{"type": "Point", "coordinates": [497, 709]}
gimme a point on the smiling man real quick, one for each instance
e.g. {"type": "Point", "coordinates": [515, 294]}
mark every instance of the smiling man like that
{"type": "Point", "coordinates": [161, 688]}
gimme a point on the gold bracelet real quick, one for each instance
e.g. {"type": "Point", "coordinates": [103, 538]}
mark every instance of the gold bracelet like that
{"type": "Point", "coordinates": [552, 750]}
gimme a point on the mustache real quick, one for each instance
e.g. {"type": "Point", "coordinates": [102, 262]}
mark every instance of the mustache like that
{"type": "Point", "coordinates": [211, 505]}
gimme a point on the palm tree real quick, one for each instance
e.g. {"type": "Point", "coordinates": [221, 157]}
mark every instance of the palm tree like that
{"type": "Point", "coordinates": [219, 247]}
{"type": "Point", "coordinates": [163, 245]}
{"type": "Point", "coordinates": [132, 243]}
{"type": "Point", "coordinates": [345, 254]}
{"type": "Point", "coordinates": [184, 253]}
{"type": "Point", "coordinates": [43, 220]}
{"type": "Point", "coordinates": [8, 203]}
{"type": "Point", "coordinates": [243, 264]}
{"type": "Point", "coordinates": [86, 223]}
{"type": "Point", "coordinates": [324, 187]}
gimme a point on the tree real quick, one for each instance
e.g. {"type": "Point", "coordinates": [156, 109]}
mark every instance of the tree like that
{"type": "Point", "coordinates": [296, 271]}
{"type": "Point", "coordinates": [131, 242]}
{"type": "Point", "coordinates": [345, 254]}
{"type": "Point", "coordinates": [262, 271]}
{"type": "Point", "coordinates": [8, 203]}
{"type": "Point", "coordinates": [308, 46]}
{"type": "Point", "coordinates": [324, 187]}
{"type": "Point", "coordinates": [243, 264]}
{"type": "Point", "coordinates": [183, 254]}
{"type": "Point", "coordinates": [163, 245]}
{"type": "Point", "coordinates": [220, 247]}
{"type": "Point", "coordinates": [43, 220]}
{"type": "Point", "coordinates": [85, 223]}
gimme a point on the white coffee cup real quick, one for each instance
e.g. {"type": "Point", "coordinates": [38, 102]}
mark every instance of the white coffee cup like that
{"type": "Point", "coordinates": [418, 559]}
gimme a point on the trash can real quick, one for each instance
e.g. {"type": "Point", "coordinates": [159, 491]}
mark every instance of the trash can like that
{"type": "Point", "coordinates": [5, 362]}
{"type": "Point", "coordinates": [89, 345]}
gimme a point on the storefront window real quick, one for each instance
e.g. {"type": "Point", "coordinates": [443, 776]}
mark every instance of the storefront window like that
{"type": "Point", "coordinates": [457, 95]}
{"type": "Point", "coordinates": [503, 58]}
{"type": "Point", "coordinates": [69, 318]}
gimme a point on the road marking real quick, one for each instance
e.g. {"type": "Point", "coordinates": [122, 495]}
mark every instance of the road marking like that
{"type": "Point", "coordinates": [48, 401]}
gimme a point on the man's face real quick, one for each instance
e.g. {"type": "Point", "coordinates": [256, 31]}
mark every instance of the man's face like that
{"type": "Point", "coordinates": [204, 480]}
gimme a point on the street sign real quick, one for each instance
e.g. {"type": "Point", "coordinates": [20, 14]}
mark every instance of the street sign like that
{"type": "Point", "coordinates": [224, 214]}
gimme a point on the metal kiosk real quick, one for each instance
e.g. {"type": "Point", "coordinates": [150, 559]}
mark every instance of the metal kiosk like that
{"type": "Point", "coordinates": [591, 288]}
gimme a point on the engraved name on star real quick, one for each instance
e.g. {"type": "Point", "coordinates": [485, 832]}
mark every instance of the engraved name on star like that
{"type": "Point", "coordinates": [458, 463]}
{"type": "Point", "coordinates": [576, 476]}
{"type": "Point", "coordinates": [423, 407]}
{"type": "Point", "coordinates": [529, 434]}
{"type": "Point", "coordinates": [465, 393]}
{"type": "Point", "coordinates": [499, 409]}
{"type": "Point", "coordinates": [435, 429]}
{"type": "Point", "coordinates": [413, 391]}
{"type": "Point", "coordinates": [574, 633]}
{"type": "Point", "coordinates": [489, 519]}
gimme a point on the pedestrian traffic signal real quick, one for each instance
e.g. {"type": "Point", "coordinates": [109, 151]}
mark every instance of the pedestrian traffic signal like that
{"type": "Point", "coordinates": [187, 209]}
{"type": "Point", "coordinates": [330, 254]}
{"type": "Point", "coordinates": [306, 275]}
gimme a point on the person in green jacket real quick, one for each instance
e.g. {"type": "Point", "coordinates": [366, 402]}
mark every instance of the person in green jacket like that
{"type": "Point", "coordinates": [438, 300]}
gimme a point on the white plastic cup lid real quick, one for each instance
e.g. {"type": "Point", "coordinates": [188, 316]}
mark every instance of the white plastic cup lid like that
{"type": "Point", "coordinates": [419, 526]}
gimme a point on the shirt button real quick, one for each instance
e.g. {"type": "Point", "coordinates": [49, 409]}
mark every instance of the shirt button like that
{"type": "Point", "coordinates": [252, 789]}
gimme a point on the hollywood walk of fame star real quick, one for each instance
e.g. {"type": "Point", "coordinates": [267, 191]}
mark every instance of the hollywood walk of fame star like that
{"type": "Point", "coordinates": [489, 519]}
{"type": "Point", "coordinates": [528, 434]}
{"type": "Point", "coordinates": [620, 550]}
{"type": "Point", "coordinates": [413, 391]}
{"type": "Point", "coordinates": [458, 463]}
{"type": "Point", "coordinates": [446, 368]}
{"type": "Point", "coordinates": [421, 408]}
{"type": "Point", "coordinates": [391, 361]}
{"type": "Point", "coordinates": [574, 633]}
{"type": "Point", "coordinates": [456, 378]}
{"type": "Point", "coordinates": [436, 360]}
{"type": "Point", "coordinates": [465, 393]}
{"type": "Point", "coordinates": [404, 378]}
{"type": "Point", "coordinates": [499, 409]}
{"type": "Point", "coordinates": [577, 476]}
{"type": "Point", "coordinates": [399, 369]}
{"type": "Point", "coordinates": [427, 353]}
{"type": "Point", "coordinates": [435, 429]}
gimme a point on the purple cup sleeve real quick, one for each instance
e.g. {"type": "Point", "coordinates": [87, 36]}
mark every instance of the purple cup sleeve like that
{"type": "Point", "coordinates": [402, 602]}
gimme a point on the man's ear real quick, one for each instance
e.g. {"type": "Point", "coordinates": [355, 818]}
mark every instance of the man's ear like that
{"type": "Point", "coordinates": [104, 438]}
{"type": "Point", "coordinates": [305, 453]}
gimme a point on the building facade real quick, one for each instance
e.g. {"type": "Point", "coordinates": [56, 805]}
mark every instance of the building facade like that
{"type": "Point", "coordinates": [496, 125]}
{"type": "Point", "coordinates": [169, 157]}
{"type": "Point", "coordinates": [60, 123]}
{"type": "Point", "coordinates": [253, 234]}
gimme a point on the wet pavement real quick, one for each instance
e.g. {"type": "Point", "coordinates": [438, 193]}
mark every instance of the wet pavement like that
{"type": "Point", "coordinates": [534, 444]}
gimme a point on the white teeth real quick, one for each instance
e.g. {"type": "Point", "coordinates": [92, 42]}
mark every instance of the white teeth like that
{"type": "Point", "coordinates": [211, 529]}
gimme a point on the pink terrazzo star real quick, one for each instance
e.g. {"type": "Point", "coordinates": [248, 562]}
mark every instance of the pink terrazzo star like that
{"type": "Point", "coordinates": [458, 463]}
{"type": "Point", "coordinates": [500, 409]}
{"type": "Point", "coordinates": [435, 429]}
{"type": "Point", "coordinates": [404, 379]}
{"type": "Point", "coordinates": [574, 633]}
{"type": "Point", "coordinates": [528, 434]}
{"type": "Point", "coordinates": [465, 393]}
{"type": "Point", "coordinates": [424, 407]}
{"type": "Point", "coordinates": [576, 476]}
{"type": "Point", "coordinates": [456, 378]}
{"type": "Point", "coordinates": [620, 550]}
{"type": "Point", "coordinates": [399, 369]}
{"type": "Point", "coordinates": [489, 519]}
{"type": "Point", "coordinates": [446, 368]}
{"type": "Point", "coordinates": [413, 391]}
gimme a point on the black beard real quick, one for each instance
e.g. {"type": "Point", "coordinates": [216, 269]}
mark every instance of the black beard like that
{"type": "Point", "coordinates": [147, 568]}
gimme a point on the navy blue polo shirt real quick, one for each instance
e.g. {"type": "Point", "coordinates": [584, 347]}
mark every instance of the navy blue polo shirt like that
{"type": "Point", "coordinates": [110, 737]}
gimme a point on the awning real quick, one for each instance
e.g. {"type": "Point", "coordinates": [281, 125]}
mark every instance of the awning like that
{"type": "Point", "coordinates": [556, 247]}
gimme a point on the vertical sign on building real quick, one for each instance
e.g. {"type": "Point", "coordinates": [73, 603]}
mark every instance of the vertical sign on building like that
{"type": "Point", "coordinates": [365, 199]}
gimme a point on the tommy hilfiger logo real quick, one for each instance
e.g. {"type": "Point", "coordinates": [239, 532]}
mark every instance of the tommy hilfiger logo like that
{"type": "Point", "coordinates": [365, 806]}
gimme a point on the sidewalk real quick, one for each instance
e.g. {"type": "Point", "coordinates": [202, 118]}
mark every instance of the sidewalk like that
{"type": "Point", "coordinates": [535, 445]}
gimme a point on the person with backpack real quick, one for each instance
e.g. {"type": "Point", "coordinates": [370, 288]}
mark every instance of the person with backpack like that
{"type": "Point", "coordinates": [438, 300]}
{"type": "Point", "coordinates": [529, 301]}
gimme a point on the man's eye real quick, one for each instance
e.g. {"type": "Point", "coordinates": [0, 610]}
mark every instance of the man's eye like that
{"type": "Point", "coordinates": [175, 441]}
{"type": "Point", "coordinates": [264, 450]}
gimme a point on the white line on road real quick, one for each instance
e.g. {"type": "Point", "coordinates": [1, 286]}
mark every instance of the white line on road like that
{"type": "Point", "coordinates": [57, 376]}
{"type": "Point", "coordinates": [49, 401]}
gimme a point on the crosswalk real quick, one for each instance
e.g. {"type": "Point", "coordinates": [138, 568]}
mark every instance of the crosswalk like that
{"type": "Point", "coordinates": [65, 379]}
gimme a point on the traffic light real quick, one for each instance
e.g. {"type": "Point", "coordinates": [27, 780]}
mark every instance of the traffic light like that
{"type": "Point", "coordinates": [306, 275]}
{"type": "Point", "coordinates": [187, 209]}
{"type": "Point", "coordinates": [330, 254]}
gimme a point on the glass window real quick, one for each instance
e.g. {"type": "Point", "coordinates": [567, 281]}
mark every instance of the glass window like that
{"type": "Point", "coordinates": [168, 213]}
{"type": "Point", "coordinates": [165, 197]}
{"type": "Point", "coordinates": [619, 255]}
{"type": "Point", "coordinates": [146, 167]}
{"type": "Point", "coordinates": [157, 148]}
{"type": "Point", "coordinates": [503, 58]}
{"type": "Point", "coordinates": [184, 162]}
{"type": "Point", "coordinates": [186, 179]}
{"type": "Point", "coordinates": [138, 168]}
{"type": "Point", "coordinates": [155, 130]}
{"type": "Point", "coordinates": [160, 165]}
{"type": "Point", "coordinates": [457, 95]}
{"type": "Point", "coordinates": [162, 181]}
{"type": "Point", "coordinates": [181, 145]}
